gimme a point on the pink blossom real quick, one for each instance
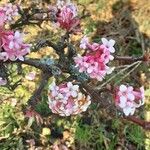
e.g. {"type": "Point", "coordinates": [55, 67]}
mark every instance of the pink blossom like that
{"type": "Point", "coordinates": [93, 46]}
{"type": "Point", "coordinates": [60, 3]}
{"type": "Point", "coordinates": [128, 99]}
{"type": "Point", "coordinates": [3, 81]}
{"type": "Point", "coordinates": [67, 18]}
{"type": "Point", "coordinates": [94, 63]}
{"type": "Point", "coordinates": [13, 46]}
{"type": "Point", "coordinates": [2, 18]}
{"type": "Point", "coordinates": [15, 40]}
{"type": "Point", "coordinates": [84, 42]}
{"type": "Point", "coordinates": [66, 99]}
{"type": "Point", "coordinates": [10, 11]}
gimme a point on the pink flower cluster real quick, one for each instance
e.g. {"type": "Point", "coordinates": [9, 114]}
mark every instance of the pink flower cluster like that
{"type": "Point", "coordinates": [12, 46]}
{"type": "Point", "coordinates": [67, 18]}
{"type": "Point", "coordinates": [94, 62]}
{"type": "Point", "coordinates": [128, 99]}
{"type": "Point", "coordinates": [66, 99]}
{"type": "Point", "coordinates": [10, 11]}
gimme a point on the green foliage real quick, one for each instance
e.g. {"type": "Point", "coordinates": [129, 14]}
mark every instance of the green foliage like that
{"type": "Point", "coordinates": [95, 136]}
{"type": "Point", "coordinates": [135, 49]}
{"type": "Point", "coordinates": [136, 135]}
{"type": "Point", "coordinates": [12, 143]}
{"type": "Point", "coordinates": [42, 107]}
{"type": "Point", "coordinates": [10, 120]}
{"type": "Point", "coordinates": [83, 133]}
{"type": "Point", "coordinates": [91, 25]}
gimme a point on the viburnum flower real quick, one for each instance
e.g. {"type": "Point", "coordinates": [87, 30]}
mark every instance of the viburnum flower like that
{"type": "Point", "coordinates": [2, 18]}
{"type": "Point", "coordinates": [15, 40]}
{"type": "Point", "coordinates": [10, 11]}
{"type": "Point", "coordinates": [94, 62]}
{"type": "Point", "coordinates": [108, 44]}
{"type": "Point", "coordinates": [11, 45]}
{"type": "Point", "coordinates": [3, 81]}
{"type": "Point", "coordinates": [128, 99]}
{"type": "Point", "coordinates": [84, 42]}
{"type": "Point", "coordinates": [67, 18]}
{"type": "Point", "coordinates": [66, 99]}
{"type": "Point", "coordinates": [60, 3]}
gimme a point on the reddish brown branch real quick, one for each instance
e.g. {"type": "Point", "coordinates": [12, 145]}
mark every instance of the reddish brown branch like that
{"type": "Point", "coordinates": [129, 58]}
{"type": "Point", "coordinates": [144, 124]}
{"type": "Point", "coordinates": [145, 57]}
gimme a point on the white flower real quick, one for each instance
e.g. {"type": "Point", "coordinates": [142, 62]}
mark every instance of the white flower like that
{"type": "Point", "coordinates": [16, 40]}
{"type": "Point", "coordinates": [60, 3]}
{"type": "Point", "coordinates": [72, 89]}
{"type": "Point", "coordinates": [54, 89]}
{"type": "Point", "coordinates": [123, 101]}
{"type": "Point", "coordinates": [109, 44]}
{"type": "Point", "coordinates": [84, 42]}
{"type": "Point", "coordinates": [123, 88]}
{"type": "Point", "coordinates": [128, 111]}
{"type": "Point", "coordinates": [130, 96]}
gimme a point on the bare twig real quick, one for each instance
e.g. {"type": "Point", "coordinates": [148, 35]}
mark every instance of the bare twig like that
{"type": "Point", "coordinates": [128, 58]}
{"type": "Point", "coordinates": [128, 73]}
{"type": "Point", "coordinates": [144, 124]}
{"type": "Point", "coordinates": [121, 71]}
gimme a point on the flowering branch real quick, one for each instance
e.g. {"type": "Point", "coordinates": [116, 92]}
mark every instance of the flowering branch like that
{"type": "Point", "coordinates": [67, 98]}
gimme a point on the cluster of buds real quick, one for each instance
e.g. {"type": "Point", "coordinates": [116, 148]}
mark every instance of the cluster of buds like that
{"type": "Point", "coordinates": [128, 99]}
{"type": "Point", "coordinates": [66, 99]}
{"type": "Point", "coordinates": [95, 61]}
{"type": "Point", "coordinates": [12, 46]}
{"type": "Point", "coordinates": [66, 18]}
{"type": "Point", "coordinates": [10, 11]}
